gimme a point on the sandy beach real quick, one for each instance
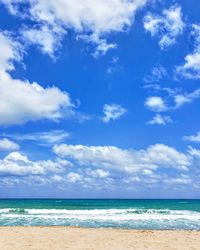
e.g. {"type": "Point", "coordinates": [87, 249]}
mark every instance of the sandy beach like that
{"type": "Point", "coordinates": [60, 238]}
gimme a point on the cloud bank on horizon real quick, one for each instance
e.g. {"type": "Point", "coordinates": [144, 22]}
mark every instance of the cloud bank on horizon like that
{"type": "Point", "coordinates": [99, 98]}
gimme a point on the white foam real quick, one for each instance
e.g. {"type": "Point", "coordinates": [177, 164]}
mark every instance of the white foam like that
{"type": "Point", "coordinates": [4, 210]}
{"type": "Point", "coordinates": [114, 215]}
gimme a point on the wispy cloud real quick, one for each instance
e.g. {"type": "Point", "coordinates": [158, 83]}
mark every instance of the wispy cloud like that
{"type": "Point", "coordinates": [48, 137]}
{"type": "Point", "coordinates": [160, 120]}
{"type": "Point", "coordinates": [167, 26]}
{"type": "Point", "coordinates": [193, 138]}
{"type": "Point", "coordinates": [191, 68]}
{"type": "Point", "coordinates": [112, 112]}
{"type": "Point", "coordinates": [175, 99]}
{"type": "Point", "coordinates": [8, 145]}
{"type": "Point", "coordinates": [156, 75]}
{"type": "Point", "coordinates": [181, 99]}
{"type": "Point", "coordinates": [47, 37]}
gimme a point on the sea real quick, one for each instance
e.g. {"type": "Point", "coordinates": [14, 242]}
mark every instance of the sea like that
{"type": "Point", "coordinates": [102, 213]}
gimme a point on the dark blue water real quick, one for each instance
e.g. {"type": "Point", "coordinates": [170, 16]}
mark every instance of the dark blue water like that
{"type": "Point", "coordinates": [134, 214]}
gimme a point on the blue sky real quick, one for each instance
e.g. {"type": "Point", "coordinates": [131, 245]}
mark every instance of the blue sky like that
{"type": "Point", "coordinates": [99, 99]}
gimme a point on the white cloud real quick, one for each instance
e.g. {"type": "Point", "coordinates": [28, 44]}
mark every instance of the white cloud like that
{"type": "Point", "coordinates": [160, 120]}
{"type": "Point", "coordinates": [182, 99]}
{"type": "Point", "coordinates": [133, 179]}
{"type": "Point", "coordinates": [102, 46]}
{"type": "Point", "coordinates": [99, 173]}
{"type": "Point", "coordinates": [48, 39]}
{"type": "Point", "coordinates": [193, 138]}
{"type": "Point", "coordinates": [130, 161]}
{"type": "Point", "coordinates": [156, 75]}
{"type": "Point", "coordinates": [180, 180]}
{"type": "Point", "coordinates": [176, 99]}
{"type": "Point", "coordinates": [49, 137]}
{"type": "Point", "coordinates": [74, 177]}
{"type": "Point", "coordinates": [97, 167]}
{"type": "Point", "coordinates": [194, 152]}
{"type": "Point", "coordinates": [156, 104]}
{"type": "Point", "coordinates": [112, 112]}
{"type": "Point", "coordinates": [8, 145]}
{"type": "Point", "coordinates": [9, 51]}
{"type": "Point", "coordinates": [167, 27]}
{"type": "Point", "coordinates": [17, 164]}
{"type": "Point", "coordinates": [22, 101]}
{"type": "Point", "coordinates": [191, 67]}
{"type": "Point", "coordinates": [92, 179]}
{"type": "Point", "coordinates": [57, 178]}
{"type": "Point", "coordinates": [164, 156]}
{"type": "Point", "coordinates": [92, 19]}
{"type": "Point", "coordinates": [12, 5]}
{"type": "Point", "coordinates": [148, 172]}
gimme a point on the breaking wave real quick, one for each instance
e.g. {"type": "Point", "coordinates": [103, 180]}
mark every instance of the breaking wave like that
{"type": "Point", "coordinates": [115, 218]}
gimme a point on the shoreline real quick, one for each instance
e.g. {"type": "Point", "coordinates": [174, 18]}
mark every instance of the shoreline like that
{"type": "Point", "coordinates": [103, 228]}
{"type": "Point", "coordinates": [61, 237]}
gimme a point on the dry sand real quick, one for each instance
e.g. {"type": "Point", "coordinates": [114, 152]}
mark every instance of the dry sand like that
{"type": "Point", "coordinates": [60, 238]}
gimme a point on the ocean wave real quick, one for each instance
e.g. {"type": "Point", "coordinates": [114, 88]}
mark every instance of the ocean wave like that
{"type": "Point", "coordinates": [101, 212]}
{"type": "Point", "coordinates": [125, 218]}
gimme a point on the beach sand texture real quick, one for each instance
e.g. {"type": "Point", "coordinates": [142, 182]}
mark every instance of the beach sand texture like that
{"type": "Point", "coordinates": [60, 238]}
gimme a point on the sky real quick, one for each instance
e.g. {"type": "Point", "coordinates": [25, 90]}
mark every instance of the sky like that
{"type": "Point", "coordinates": [99, 99]}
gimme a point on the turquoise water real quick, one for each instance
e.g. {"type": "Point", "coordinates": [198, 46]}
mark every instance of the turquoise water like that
{"type": "Point", "coordinates": [133, 214]}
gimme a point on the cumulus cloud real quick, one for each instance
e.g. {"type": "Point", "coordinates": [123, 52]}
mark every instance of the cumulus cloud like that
{"type": "Point", "coordinates": [22, 101]}
{"type": "Point", "coordinates": [130, 161]}
{"type": "Point", "coordinates": [191, 68]}
{"type": "Point", "coordinates": [112, 112]}
{"type": "Point", "coordinates": [160, 120]}
{"type": "Point", "coordinates": [95, 179]}
{"type": "Point", "coordinates": [156, 104]}
{"type": "Point", "coordinates": [98, 173]}
{"type": "Point", "coordinates": [100, 167]}
{"type": "Point", "coordinates": [8, 145]}
{"type": "Point", "coordinates": [167, 26]}
{"type": "Point", "coordinates": [90, 20]}
{"type": "Point", "coordinates": [74, 177]}
{"type": "Point", "coordinates": [17, 164]}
